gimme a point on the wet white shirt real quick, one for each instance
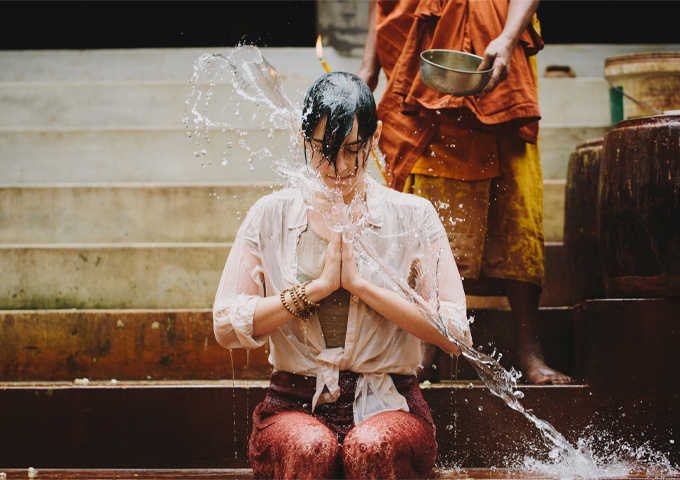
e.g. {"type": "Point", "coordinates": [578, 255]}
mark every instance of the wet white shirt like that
{"type": "Point", "coordinates": [263, 262]}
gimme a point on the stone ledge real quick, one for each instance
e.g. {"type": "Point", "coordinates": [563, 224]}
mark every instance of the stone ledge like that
{"type": "Point", "coordinates": [179, 345]}
{"type": "Point", "coordinates": [110, 275]}
{"type": "Point", "coordinates": [159, 212]}
{"type": "Point", "coordinates": [185, 426]}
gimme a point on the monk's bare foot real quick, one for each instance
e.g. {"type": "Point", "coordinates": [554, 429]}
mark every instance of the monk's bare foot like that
{"type": "Point", "coordinates": [536, 372]}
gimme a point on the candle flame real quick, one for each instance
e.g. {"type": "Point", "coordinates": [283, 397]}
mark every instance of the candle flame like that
{"type": "Point", "coordinates": [319, 48]}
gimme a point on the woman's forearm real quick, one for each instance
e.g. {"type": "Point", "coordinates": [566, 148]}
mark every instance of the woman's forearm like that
{"type": "Point", "coordinates": [270, 313]}
{"type": "Point", "coordinates": [402, 313]}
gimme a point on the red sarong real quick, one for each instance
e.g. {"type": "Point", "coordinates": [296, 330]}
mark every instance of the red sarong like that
{"type": "Point", "coordinates": [291, 441]}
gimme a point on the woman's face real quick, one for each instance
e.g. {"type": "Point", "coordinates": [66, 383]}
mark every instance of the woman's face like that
{"type": "Point", "coordinates": [351, 160]}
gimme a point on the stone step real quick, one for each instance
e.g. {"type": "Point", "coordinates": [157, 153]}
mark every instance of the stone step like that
{"type": "Point", "coordinates": [247, 473]}
{"type": "Point", "coordinates": [207, 424]}
{"type": "Point", "coordinates": [133, 275]}
{"type": "Point", "coordinates": [557, 141]}
{"type": "Point", "coordinates": [587, 60]}
{"type": "Point", "coordinates": [152, 64]}
{"type": "Point", "coordinates": [154, 275]}
{"type": "Point", "coordinates": [127, 104]}
{"type": "Point", "coordinates": [127, 212]}
{"type": "Point", "coordinates": [573, 101]}
{"type": "Point", "coordinates": [179, 344]}
{"type": "Point", "coordinates": [111, 155]}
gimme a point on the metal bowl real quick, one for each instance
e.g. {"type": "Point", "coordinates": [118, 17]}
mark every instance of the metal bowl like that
{"type": "Point", "coordinates": [453, 73]}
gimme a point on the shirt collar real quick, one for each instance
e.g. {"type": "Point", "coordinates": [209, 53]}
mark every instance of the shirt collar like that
{"type": "Point", "coordinates": [374, 205]}
{"type": "Point", "coordinates": [298, 214]}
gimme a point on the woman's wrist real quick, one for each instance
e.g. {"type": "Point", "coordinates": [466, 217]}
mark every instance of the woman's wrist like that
{"type": "Point", "coordinates": [318, 289]}
{"type": "Point", "coordinates": [359, 287]}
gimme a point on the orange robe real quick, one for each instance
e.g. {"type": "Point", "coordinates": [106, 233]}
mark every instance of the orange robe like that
{"type": "Point", "coordinates": [408, 108]}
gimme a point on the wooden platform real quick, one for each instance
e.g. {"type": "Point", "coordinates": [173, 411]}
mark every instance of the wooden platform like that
{"type": "Point", "coordinates": [239, 474]}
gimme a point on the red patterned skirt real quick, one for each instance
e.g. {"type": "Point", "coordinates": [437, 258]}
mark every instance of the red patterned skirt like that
{"type": "Point", "coordinates": [291, 441]}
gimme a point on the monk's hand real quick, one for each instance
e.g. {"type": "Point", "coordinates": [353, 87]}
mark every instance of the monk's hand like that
{"type": "Point", "coordinates": [330, 279]}
{"type": "Point", "coordinates": [350, 277]}
{"type": "Point", "coordinates": [497, 56]}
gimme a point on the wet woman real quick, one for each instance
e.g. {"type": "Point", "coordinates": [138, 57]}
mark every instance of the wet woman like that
{"type": "Point", "coordinates": [343, 399]}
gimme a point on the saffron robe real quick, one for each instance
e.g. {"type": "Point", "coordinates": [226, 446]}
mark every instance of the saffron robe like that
{"type": "Point", "coordinates": [408, 108]}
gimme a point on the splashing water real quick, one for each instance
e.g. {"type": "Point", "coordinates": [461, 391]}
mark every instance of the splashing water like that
{"type": "Point", "coordinates": [259, 85]}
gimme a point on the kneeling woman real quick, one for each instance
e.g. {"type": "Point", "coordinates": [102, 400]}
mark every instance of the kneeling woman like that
{"type": "Point", "coordinates": [343, 398]}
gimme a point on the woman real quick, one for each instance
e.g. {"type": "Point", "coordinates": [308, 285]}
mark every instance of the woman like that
{"type": "Point", "coordinates": [343, 398]}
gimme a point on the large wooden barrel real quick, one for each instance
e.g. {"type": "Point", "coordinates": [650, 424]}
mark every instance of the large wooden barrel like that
{"type": "Point", "coordinates": [580, 221]}
{"type": "Point", "coordinates": [651, 77]}
{"type": "Point", "coordinates": [639, 208]}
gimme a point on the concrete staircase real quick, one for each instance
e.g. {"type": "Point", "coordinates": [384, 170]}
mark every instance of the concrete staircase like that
{"type": "Point", "coordinates": [104, 204]}
{"type": "Point", "coordinates": [113, 236]}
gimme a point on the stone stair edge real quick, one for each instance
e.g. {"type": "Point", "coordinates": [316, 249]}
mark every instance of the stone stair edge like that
{"type": "Point", "coordinates": [180, 127]}
{"type": "Point", "coordinates": [103, 245]}
{"type": "Point", "coordinates": [46, 83]}
{"type": "Point", "coordinates": [241, 383]}
{"type": "Point", "coordinates": [253, 184]}
{"type": "Point", "coordinates": [114, 245]}
{"type": "Point", "coordinates": [199, 310]}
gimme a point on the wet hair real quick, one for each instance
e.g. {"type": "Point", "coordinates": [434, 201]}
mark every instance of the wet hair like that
{"type": "Point", "coordinates": [340, 97]}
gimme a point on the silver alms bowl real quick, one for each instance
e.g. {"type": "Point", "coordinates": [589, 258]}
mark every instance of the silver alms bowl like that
{"type": "Point", "coordinates": [453, 73]}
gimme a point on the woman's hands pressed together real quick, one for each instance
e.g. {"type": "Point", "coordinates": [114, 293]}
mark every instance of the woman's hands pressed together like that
{"type": "Point", "coordinates": [340, 269]}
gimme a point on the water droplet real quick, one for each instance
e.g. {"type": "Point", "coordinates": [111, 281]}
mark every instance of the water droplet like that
{"type": "Point", "coordinates": [470, 385]}
{"type": "Point", "coordinates": [188, 134]}
{"type": "Point", "coordinates": [203, 152]}
{"type": "Point", "coordinates": [224, 161]}
{"type": "Point", "coordinates": [518, 394]}
{"type": "Point", "coordinates": [480, 408]}
{"type": "Point", "coordinates": [198, 154]}
{"type": "Point", "coordinates": [554, 453]}
{"type": "Point", "coordinates": [230, 144]}
{"type": "Point", "coordinates": [449, 427]}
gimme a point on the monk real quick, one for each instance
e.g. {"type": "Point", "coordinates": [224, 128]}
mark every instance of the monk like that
{"type": "Point", "coordinates": [475, 158]}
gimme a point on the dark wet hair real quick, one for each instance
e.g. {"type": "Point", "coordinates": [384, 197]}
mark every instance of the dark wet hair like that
{"type": "Point", "coordinates": [340, 97]}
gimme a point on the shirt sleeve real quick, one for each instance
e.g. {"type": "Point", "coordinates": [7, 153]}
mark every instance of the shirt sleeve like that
{"type": "Point", "coordinates": [451, 294]}
{"type": "Point", "coordinates": [241, 286]}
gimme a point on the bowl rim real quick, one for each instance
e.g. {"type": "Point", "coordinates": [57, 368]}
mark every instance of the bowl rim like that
{"type": "Point", "coordinates": [449, 68]}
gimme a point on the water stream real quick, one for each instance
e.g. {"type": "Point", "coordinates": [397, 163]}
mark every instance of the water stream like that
{"type": "Point", "coordinates": [264, 106]}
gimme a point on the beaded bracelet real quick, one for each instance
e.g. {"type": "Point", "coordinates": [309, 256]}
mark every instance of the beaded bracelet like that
{"type": "Point", "coordinates": [294, 294]}
{"type": "Point", "coordinates": [303, 296]}
{"type": "Point", "coordinates": [283, 301]}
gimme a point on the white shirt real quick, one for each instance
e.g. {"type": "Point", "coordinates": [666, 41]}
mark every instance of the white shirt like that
{"type": "Point", "coordinates": [263, 262]}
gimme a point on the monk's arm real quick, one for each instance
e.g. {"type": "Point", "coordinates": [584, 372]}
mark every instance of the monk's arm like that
{"type": "Point", "coordinates": [499, 51]}
{"type": "Point", "coordinates": [370, 63]}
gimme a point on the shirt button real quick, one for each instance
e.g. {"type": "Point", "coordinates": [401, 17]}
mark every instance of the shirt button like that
{"type": "Point", "coordinates": [355, 298]}
{"type": "Point", "coordinates": [350, 338]}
